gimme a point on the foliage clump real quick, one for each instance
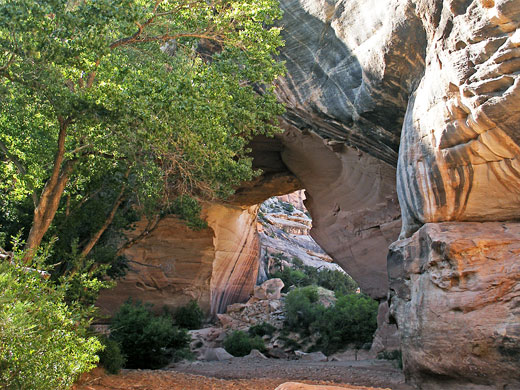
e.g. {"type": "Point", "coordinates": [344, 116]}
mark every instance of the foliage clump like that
{"type": "Point", "coordinates": [303, 311]}
{"type": "Point", "coordinates": [239, 343]}
{"type": "Point", "coordinates": [263, 329]}
{"type": "Point", "coordinates": [190, 316]}
{"type": "Point", "coordinates": [111, 358]}
{"type": "Point", "coordinates": [352, 320]}
{"type": "Point", "coordinates": [147, 341]}
{"type": "Point", "coordinates": [44, 342]}
{"type": "Point", "coordinates": [117, 113]}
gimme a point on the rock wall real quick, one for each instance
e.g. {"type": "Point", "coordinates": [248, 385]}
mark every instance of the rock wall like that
{"type": "Point", "coordinates": [236, 261]}
{"type": "Point", "coordinates": [425, 91]}
{"type": "Point", "coordinates": [444, 77]}
{"type": "Point", "coordinates": [170, 267]}
{"type": "Point", "coordinates": [456, 297]}
{"type": "Point", "coordinates": [352, 200]}
{"type": "Point", "coordinates": [216, 266]}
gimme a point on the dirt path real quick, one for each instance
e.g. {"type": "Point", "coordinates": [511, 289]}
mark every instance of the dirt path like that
{"type": "Point", "coordinates": [247, 374]}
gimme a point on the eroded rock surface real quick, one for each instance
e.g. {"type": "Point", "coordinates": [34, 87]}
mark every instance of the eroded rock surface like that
{"type": "Point", "coordinates": [284, 228]}
{"type": "Point", "coordinates": [456, 297]}
{"type": "Point", "coordinates": [458, 158]}
{"type": "Point", "coordinates": [172, 266]}
{"type": "Point", "coordinates": [425, 90]}
{"type": "Point", "coordinates": [352, 200]}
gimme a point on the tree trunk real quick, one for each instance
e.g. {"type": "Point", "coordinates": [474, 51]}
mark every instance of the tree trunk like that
{"type": "Point", "coordinates": [50, 197]}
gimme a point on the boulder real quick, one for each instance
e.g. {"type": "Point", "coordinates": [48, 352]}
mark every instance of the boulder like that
{"type": "Point", "coordinates": [277, 353]}
{"type": "Point", "coordinates": [216, 354]}
{"type": "Point", "coordinates": [271, 289]}
{"type": "Point", "coordinates": [312, 356]}
{"type": "Point", "coordinates": [455, 293]}
{"type": "Point", "coordinates": [256, 354]}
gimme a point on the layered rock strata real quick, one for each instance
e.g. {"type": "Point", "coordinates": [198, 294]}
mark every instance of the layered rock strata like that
{"type": "Point", "coordinates": [284, 227]}
{"type": "Point", "coordinates": [456, 298]}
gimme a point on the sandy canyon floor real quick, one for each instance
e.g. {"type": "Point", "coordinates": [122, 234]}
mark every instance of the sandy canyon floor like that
{"type": "Point", "coordinates": [241, 373]}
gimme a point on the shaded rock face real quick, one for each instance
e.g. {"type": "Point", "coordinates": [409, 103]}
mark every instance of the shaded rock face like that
{"type": "Point", "coordinates": [351, 197]}
{"type": "Point", "coordinates": [423, 90]}
{"type": "Point", "coordinates": [172, 266]}
{"type": "Point", "coordinates": [442, 75]}
{"type": "Point", "coordinates": [456, 296]}
{"type": "Point", "coordinates": [351, 66]}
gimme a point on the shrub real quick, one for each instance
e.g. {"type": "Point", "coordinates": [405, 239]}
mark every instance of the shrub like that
{"type": "Point", "coordinates": [336, 281]}
{"type": "Point", "coordinates": [289, 208]}
{"type": "Point", "coordinates": [352, 320]}
{"type": "Point", "coordinates": [190, 316]}
{"type": "Point", "coordinates": [148, 341]}
{"type": "Point", "coordinates": [111, 357]}
{"type": "Point", "coordinates": [291, 277]}
{"type": "Point", "coordinates": [261, 329]}
{"type": "Point", "coordinates": [44, 343]}
{"type": "Point", "coordinates": [240, 343]}
{"type": "Point", "coordinates": [302, 309]}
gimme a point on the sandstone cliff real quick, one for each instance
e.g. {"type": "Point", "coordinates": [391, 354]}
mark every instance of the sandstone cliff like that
{"type": "Point", "coordinates": [216, 266]}
{"type": "Point", "coordinates": [442, 76]}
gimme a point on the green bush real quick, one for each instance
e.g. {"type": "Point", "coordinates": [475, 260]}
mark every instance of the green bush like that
{"type": "Point", "coordinates": [261, 330]}
{"type": "Point", "coordinates": [352, 320]}
{"type": "Point", "coordinates": [111, 357]}
{"type": "Point", "coordinates": [44, 343]}
{"type": "Point", "coordinates": [190, 316]}
{"type": "Point", "coordinates": [336, 281]}
{"type": "Point", "coordinates": [287, 207]}
{"type": "Point", "coordinates": [302, 309]}
{"type": "Point", "coordinates": [148, 341]}
{"type": "Point", "coordinates": [240, 343]}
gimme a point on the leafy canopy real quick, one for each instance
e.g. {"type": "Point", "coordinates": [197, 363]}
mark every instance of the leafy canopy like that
{"type": "Point", "coordinates": [129, 102]}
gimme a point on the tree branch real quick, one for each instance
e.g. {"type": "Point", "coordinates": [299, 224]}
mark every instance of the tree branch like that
{"type": "Point", "coordinates": [95, 238]}
{"type": "Point", "coordinates": [150, 227]}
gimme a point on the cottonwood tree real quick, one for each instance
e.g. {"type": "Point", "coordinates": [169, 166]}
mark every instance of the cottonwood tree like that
{"type": "Point", "coordinates": [144, 102]}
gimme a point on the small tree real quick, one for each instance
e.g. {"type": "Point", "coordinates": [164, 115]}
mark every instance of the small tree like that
{"type": "Point", "coordinates": [190, 316]}
{"type": "Point", "coordinates": [147, 341]}
{"type": "Point", "coordinates": [44, 343]}
{"type": "Point", "coordinates": [239, 343]}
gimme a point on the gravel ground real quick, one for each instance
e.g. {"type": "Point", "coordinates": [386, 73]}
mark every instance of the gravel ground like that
{"type": "Point", "coordinates": [249, 374]}
{"type": "Point", "coordinates": [374, 373]}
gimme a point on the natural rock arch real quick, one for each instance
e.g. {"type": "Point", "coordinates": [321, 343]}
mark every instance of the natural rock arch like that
{"type": "Point", "coordinates": [443, 77]}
